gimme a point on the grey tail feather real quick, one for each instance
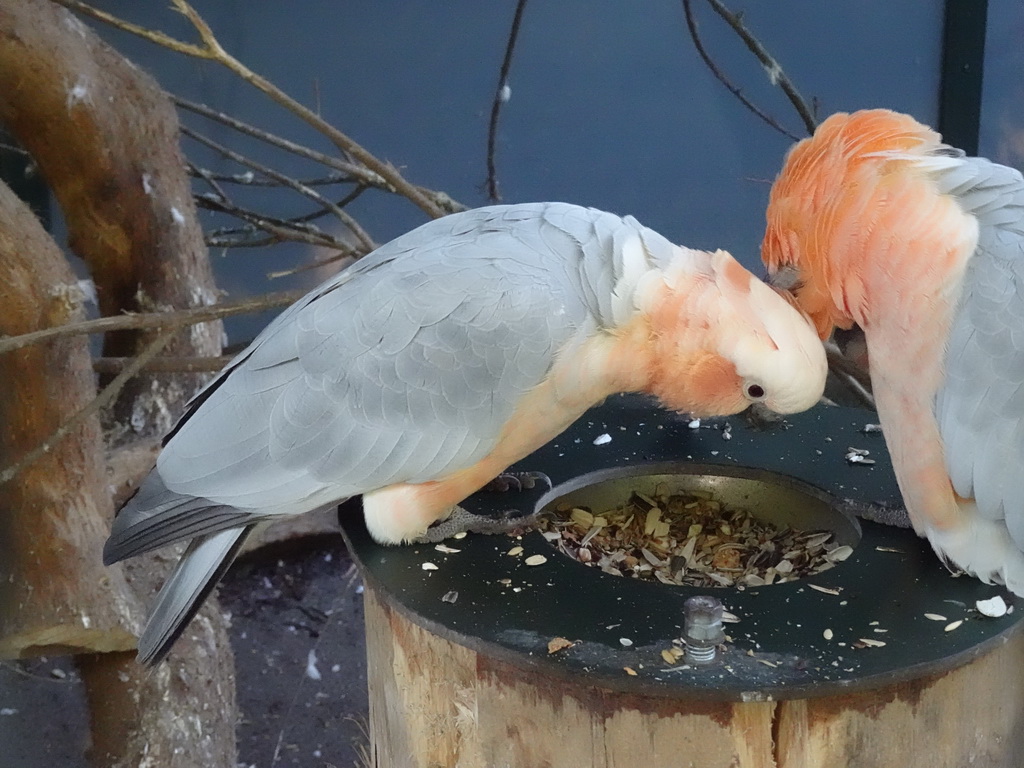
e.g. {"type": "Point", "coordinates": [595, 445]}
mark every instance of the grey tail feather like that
{"type": "Point", "coordinates": [155, 517]}
{"type": "Point", "coordinates": [197, 573]}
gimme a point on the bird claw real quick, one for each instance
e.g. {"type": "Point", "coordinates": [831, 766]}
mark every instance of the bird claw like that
{"type": "Point", "coordinates": [511, 520]}
{"type": "Point", "coordinates": [516, 481]}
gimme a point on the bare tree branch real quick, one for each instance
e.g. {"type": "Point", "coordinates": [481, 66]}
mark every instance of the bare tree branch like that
{"type": "Point", "coordinates": [353, 170]}
{"type": "Point", "coordinates": [698, 43]}
{"type": "Point", "coordinates": [102, 400]}
{"type": "Point", "coordinates": [175, 319]}
{"type": "Point", "coordinates": [776, 74]}
{"type": "Point", "coordinates": [361, 235]}
{"type": "Point", "coordinates": [212, 50]}
{"type": "Point", "coordinates": [114, 365]}
{"type": "Point", "coordinates": [500, 97]}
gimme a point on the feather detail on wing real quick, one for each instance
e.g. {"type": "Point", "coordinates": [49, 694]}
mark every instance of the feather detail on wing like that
{"type": "Point", "coordinates": [200, 568]}
{"type": "Point", "coordinates": [980, 406]}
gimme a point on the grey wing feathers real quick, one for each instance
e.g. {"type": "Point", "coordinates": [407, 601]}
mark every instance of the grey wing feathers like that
{"type": "Point", "coordinates": [155, 517]}
{"type": "Point", "coordinates": [406, 365]}
{"type": "Point", "coordinates": [980, 407]}
{"type": "Point", "coordinates": [201, 566]}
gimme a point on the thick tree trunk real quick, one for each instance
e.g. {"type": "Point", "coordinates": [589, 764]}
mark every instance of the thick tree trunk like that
{"type": "Point", "coordinates": [105, 137]}
{"type": "Point", "coordinates": [437, 704]}
{"type": "Point", "coordinates": [57, 594]}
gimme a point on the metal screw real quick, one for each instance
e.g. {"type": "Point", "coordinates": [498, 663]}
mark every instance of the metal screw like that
{"type": "Point", "coordinates": [702, 628]}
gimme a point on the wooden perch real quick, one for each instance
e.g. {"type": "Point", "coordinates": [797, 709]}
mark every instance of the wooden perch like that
{"type": "Point", "coordinates": [437, 704]}
{"type": "Point", "coordinates": [56, 592]}
{"type": "Point", "coordinates": [119, 177]}
{"type": "Point", "coordinates": [105, 139]}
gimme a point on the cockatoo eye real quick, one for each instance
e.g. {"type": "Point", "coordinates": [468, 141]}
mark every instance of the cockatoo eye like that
{"type": "Point", "coordinates": [754, 391]}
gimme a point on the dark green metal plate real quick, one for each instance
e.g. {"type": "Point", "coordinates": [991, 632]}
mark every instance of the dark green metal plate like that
{"type": "Point", "coordinates": [509, 610]}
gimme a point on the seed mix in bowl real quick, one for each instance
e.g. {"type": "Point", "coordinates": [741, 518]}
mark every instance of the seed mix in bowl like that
{"type": "Point", "coordinates": [688, 538]}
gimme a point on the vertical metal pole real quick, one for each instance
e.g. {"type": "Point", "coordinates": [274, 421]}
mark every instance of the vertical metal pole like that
{"type": "Point", "coordinates": [963, 59]}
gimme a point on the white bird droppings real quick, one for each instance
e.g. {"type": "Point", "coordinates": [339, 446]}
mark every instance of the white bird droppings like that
{"type": "Point", "coordinates": [311, 671]}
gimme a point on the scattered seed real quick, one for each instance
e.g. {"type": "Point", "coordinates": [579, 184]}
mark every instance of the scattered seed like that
{"type": "Point", "coordinates": [839, 554]}
{"type": "Point", "coordinates": [994, 607]}
{"type": "Point", "coordinates": [935, 617]}
{"type": "Point", "coordinates": [450, 597]}
{"type": "Point", "coordinates": [428, 566]}
{"type": "Point", "coordinates": [730, 618]}
{"type": "Point", "coordinates": [515, 551]}
{"type": "Point", "coordinates": [858, 456]}
{"type": "Point", "coordinates": [630, 671]}
{"type": "Point", "coordinates": [536, 560]}
{"type": "Point", "coordinates": [459, 535]}
{"type": "Point", "coordinates": [557, 644]}
{"type": "Point", "coordinates": [602, 439]}
{"type": "Point", "coordinates": [668, 657]}
{"type": "Point", "coordinates": [889, 549]}
{"type": "Point", "coordinates": [827, 634]}
{"type": "Point", "coordinates": [767, 663]}
{"type": "Point", "coordinates": [870, 642]}
{"type": "Point", "coordinates": [952, 625]}
{"type": "Point", "coordinates": [625, 642]}
{"type": "Point", "coordinates": [446, 549]}
{"type": "Point", "coordinates": [869, 428]}
{"type": "Point", "coordinates": [826, 590]}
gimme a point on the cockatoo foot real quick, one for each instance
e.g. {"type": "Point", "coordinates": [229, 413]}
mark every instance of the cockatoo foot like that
{"type": "Point", "coordinates": [517, 481]}
{"type": "Point", "coordinates": [528, 487]}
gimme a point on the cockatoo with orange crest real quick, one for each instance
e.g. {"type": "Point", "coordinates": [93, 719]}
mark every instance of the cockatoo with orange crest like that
{"type": "Point", "coordinates": [423, 371]}
{"type": "Point", "coordinates": [875, 221]}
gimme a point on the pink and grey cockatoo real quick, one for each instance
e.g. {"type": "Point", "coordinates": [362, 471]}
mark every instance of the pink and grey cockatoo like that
{"type": "Point", "coordinates": [420, 373]}
{"type": "Point", "coordinates": [875, 221]}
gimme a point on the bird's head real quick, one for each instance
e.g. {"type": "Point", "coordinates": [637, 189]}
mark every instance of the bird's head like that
{"type": "Point", "coordinates": [727, 340]}
{"type": "Point", "coordinates": [841, 200]}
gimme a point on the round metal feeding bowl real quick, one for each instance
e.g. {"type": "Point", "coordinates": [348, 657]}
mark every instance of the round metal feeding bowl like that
{"type": "Point", "coordinates": [769, 497]}
{"type": "Point", "coordinates": [859, 625]}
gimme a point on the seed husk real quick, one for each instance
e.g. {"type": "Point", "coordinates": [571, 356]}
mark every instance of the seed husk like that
{"type": "Point", "coordinates": [689, 538]}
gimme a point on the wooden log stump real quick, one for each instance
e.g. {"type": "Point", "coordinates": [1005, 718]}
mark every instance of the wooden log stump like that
{"type": "Point", "coordinates": [843, 669]}
{"type": "Point", "coordinates": [437, 704]}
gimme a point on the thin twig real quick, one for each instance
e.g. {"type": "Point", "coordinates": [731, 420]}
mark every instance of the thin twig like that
{"type": "Point", "coordinates": [851, 375]}
{"type": "Point", "coordinates": [212, 50]}
{"type": "Point", "coordinates": [250, 179]}
{"type": "Point", "coordinates": [308, 266]}
{"type": "Point", "coordinates": [174, 319]}
{"type": "Point", "coordinates": [500, 97]}
{"type": "Point", "coordinates": [698, 43]}
{"type": "Point", "coordinates": [102, 400]}
{"type": "Point", "coordinates": [113, 365]}
{"type": "Point", "coordinates": [152, 35]}
{"type": "Point", "coordinates": [361, 235]}
{"type": "Point", "coordinates": [775, 72]}
{"type": "Point", "coordinates": [279, 230]}
{"type": "Point", "coordinates": [340, 140]}
{"type": "Point", "coordinates": [353, 170]}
